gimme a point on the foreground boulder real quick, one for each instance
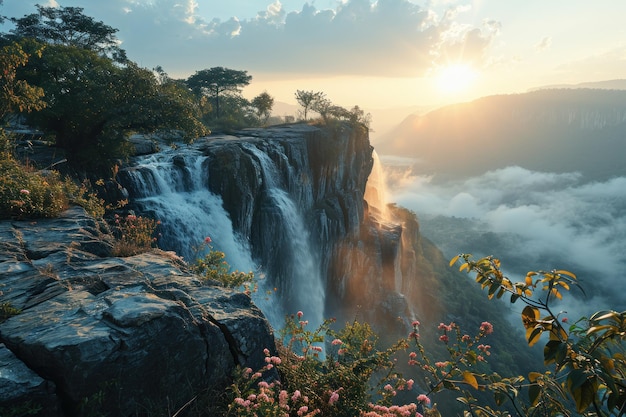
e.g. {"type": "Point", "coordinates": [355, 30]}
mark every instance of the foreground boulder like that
{"type": "Point", "coordinates": [102, 335]}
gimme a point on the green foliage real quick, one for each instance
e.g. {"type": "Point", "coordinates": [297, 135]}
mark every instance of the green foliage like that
{"type": "Point", "coordinates": [263, 104]}
{"type": "Point", "coordinates": [337, 383]}
{"type": "Point", "coordinates": [217, 80]}
{"type": "Point", "coordinates": [7, 311]}
{"type": "Point", "coordinates": [213, 267]}
{"type": "Point", "coordinates": [94, 104]}
{"type": "Point", "coordinates": [17, 94]}
{"type": "Point", "coordinates": [309, 99]}
{"type": "Point", "coordinates": [134, 235]}
{"type": "Point", "coordinates": [588, 359]}
{"type": "Point", "coordinates": [69, 26]}
{"type": "Point", "coordinates": [25, 193]}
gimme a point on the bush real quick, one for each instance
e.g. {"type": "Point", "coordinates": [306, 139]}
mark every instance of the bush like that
{"type": "Point", "coordinates": [213, 267]}
{"type": "Point", "coordinates": [133, 235]}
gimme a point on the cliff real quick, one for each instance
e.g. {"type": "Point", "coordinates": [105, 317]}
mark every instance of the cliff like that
{"type": "Point", "coordinates": [112, 336]}
{"type": "Point", "coordinates": [296, 204]}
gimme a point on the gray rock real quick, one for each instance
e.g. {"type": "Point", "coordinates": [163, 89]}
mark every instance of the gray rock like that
{"type": "Point", "coordinates": [114, 335]}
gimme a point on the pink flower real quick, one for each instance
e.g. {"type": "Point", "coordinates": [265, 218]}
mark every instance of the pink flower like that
{"type": "Point", "coordinates": [303, 410]}
{"type": "Point", "coordinates": [24, 192]}
{"type": "Point", "coordinates": [296, 395]}
{"type": "Point", "coordinates": [207, 239]}
{"type": "Point", "coordinates": [444, 338]}
{"type": "Point", "coordinates": [409, 384]}
{"type": "Point", "coordinates": [564, 319]}
{"type": "Point", "coordinates": [300, 314]}
{"type": "Point", "coordinates": [334, 397]}
{"type": "Point", "coordinates": [441, 364]}
{"type": "Point", "coordinates": [388, 387]}
{"type": "Point", "coordinates": [486, 327]}
{"type": "Point", "coordinates": [341, 351]}
{"type": "Point", "coordinates": [415, 323]}
{"type": "Point", "coordinates": [336, 342]}
{"type": "Point", "coordinates": [445, 327]}
{"type": "Point", "coordinates": [422, 398]}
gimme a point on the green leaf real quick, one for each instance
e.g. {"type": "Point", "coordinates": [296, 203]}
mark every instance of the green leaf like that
{"type": "Point", "coordinates": [500, 397]}
{"type": "Point", "coordinates": [534, 392]}
{"type": "Point", "coordinates": [554, 351]}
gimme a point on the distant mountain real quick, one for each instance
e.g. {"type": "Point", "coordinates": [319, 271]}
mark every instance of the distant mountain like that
{"type": "Point", "coordinates": [605, 85]}
{"type": "Point", "coordinates": [555, 130]}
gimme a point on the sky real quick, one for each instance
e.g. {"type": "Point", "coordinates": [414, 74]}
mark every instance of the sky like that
{"type": "Point", "coordinates": [381, 54]}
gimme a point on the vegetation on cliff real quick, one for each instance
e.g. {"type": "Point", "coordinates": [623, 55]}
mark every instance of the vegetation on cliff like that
{"type": "Point", "coordinates": [89, 97]}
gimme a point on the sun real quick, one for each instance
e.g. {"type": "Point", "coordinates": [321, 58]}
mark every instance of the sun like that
{"type": "Point", "coordinates": [455, 78]}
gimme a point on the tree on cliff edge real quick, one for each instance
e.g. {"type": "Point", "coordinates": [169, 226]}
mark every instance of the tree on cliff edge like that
{"type": "Point", "coordinates": [214, 81]}
{"type": "Point", "coordinates": [308, 99]}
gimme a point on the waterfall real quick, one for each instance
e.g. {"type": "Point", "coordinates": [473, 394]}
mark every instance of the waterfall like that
{"type": "Point", "coordinates": [376, 190]}
{"type": "Point", "coordinates": [170, 187]}
{"type": "Point", "coordinates": [298, 282]}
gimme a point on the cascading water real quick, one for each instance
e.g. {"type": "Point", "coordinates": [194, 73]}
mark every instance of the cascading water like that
{"type": "Point", "coordinates": [171, 186]}
{"type": "Point", "coordinates": [376, 190]}
{"type": "Point", "coordinates": [299, 282]}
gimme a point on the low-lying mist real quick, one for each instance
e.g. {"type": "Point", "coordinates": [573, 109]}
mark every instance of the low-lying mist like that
{"type": "Point", "coordinates": [530, 221]}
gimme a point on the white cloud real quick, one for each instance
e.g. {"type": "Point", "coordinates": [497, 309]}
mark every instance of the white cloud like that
{"type": "Point", "coordinates": [356, 37]}
{"type": "Point", "coordinates": [556, 217]}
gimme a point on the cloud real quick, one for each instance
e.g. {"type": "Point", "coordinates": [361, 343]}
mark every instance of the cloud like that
{"type": "Point", "coordinates": [558, 220]}
{"type": "Point", "coordinates": [356, 37]}
{"type": "Point", "coordinates": [544, 44]}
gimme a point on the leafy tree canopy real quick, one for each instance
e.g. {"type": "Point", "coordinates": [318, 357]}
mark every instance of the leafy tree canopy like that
{"type": "Point", "coordinates": [308, 99]}
{"type": "Point", "coordinates": [93, 103]}
{"type": "Point", "coordinates": [216, 80]}
{"type": "Point", "coordinates": [69, 26]}
{"type": "Point", "coordinates": [17, 95]}
{"type": "Point", "coordinates": [263, 104]}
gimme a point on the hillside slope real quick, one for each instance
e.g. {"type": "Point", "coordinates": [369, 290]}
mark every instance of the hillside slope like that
{"type": "Point", "coordinates": [556, 130]}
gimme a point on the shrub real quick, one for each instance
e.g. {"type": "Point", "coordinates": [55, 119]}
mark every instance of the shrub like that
{"type": "Point", "coordinates": [213, 267]}
{"type": "Point", "coordinates": [133, 235]}
{"type": "Point", "coordinates": [343, 373]}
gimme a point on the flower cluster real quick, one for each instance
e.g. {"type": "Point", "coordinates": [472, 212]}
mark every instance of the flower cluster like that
{"type": "Point", "coordinates": [260, 397]}
{"type": "Point", "coordinates": [408, 410]}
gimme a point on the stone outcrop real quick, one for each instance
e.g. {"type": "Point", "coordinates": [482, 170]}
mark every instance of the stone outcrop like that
{"type": "Point", "coordinates": [113, 336]}
{"type": "Point", "coordinates": [324, 173]}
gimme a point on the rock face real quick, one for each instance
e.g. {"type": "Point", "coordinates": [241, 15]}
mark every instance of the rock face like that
{"type": "Point", "coordinates": [107, 335]}
{"type": "Point", "coordinates": [295, 195]}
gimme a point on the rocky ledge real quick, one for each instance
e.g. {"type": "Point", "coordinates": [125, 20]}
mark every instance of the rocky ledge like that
{"type": "Point", "coordinates": [112, 336]}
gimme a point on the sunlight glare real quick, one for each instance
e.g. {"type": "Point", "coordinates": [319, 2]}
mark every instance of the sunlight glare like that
{"type": "Point", "coordinates": [456, 78]}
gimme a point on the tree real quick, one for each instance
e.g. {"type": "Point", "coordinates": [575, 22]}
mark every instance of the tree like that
{"type": "Point", "coordinates": [94, 103]}
{"type": "Point", "coordinates": [323, 106]}
{"type": "Point", "coordinates": [17, 95]}
{"type": "Point", "coordinates": [263, 104]}
{"type": "Point", "coordinates": [214, 81]}
{"type": "Point", "coordinates": [70, 27]}
{"type": "Point", "coordinates": [307, 99]}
